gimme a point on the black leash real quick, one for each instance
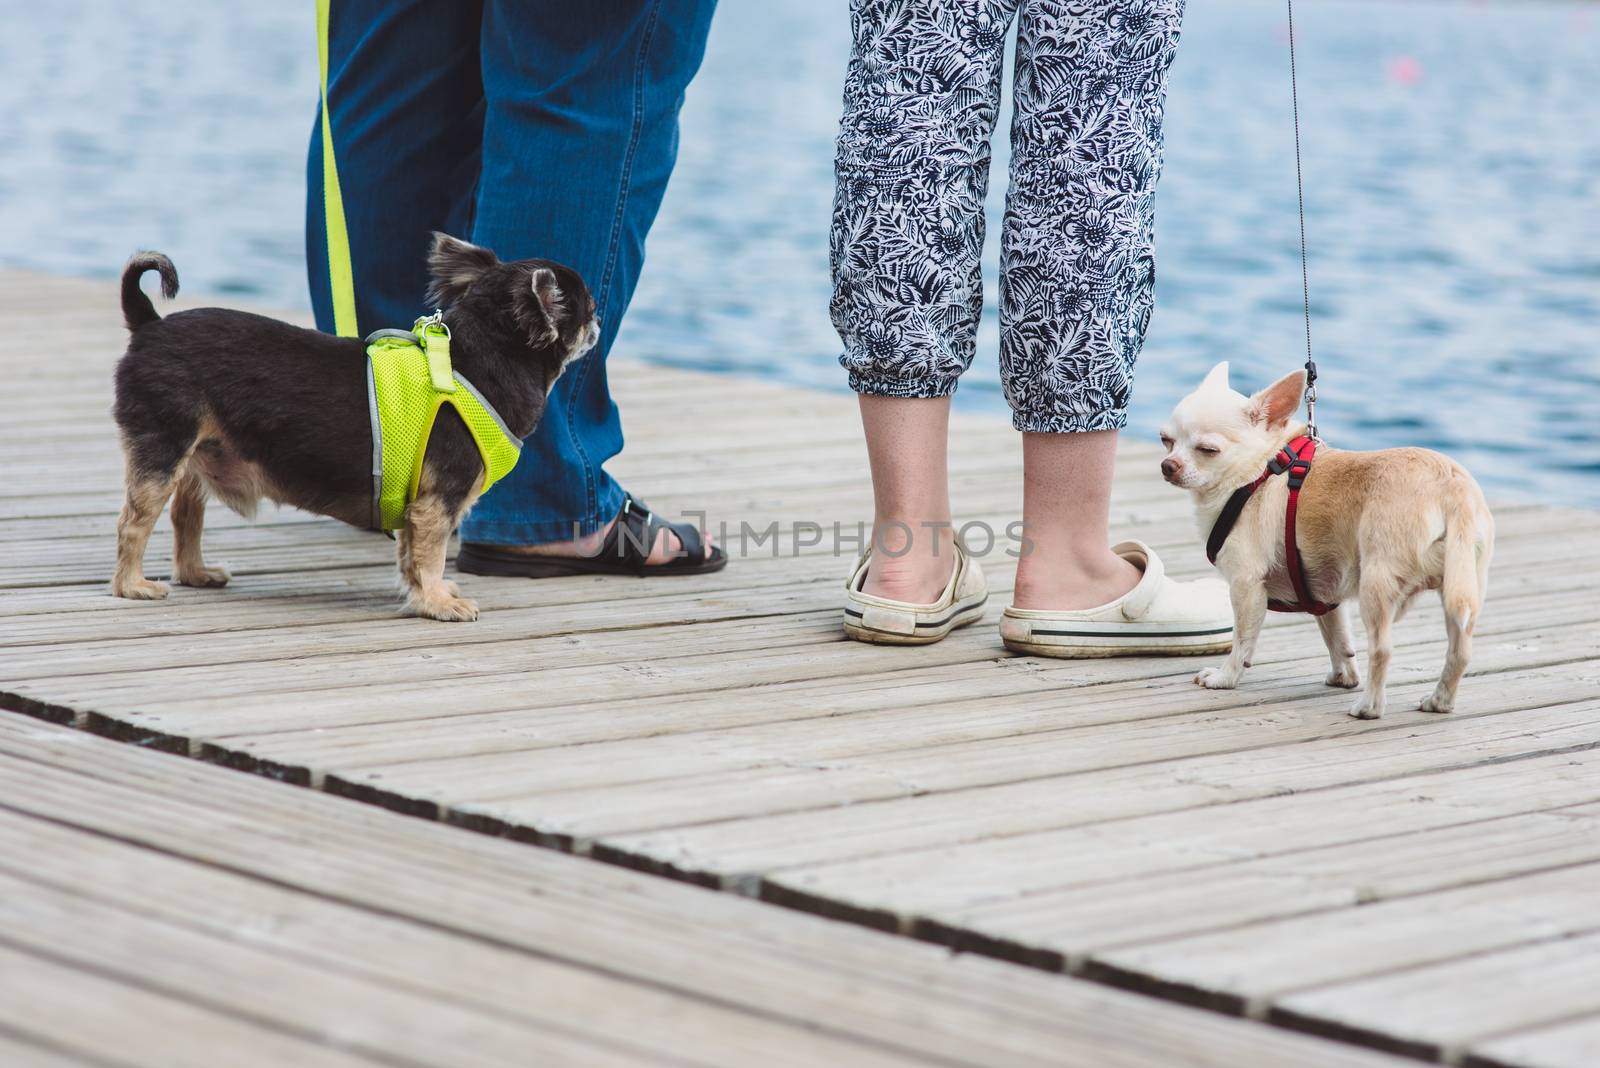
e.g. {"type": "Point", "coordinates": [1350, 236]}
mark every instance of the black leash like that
{"type": "Point", "coordinates": [1305, 272]}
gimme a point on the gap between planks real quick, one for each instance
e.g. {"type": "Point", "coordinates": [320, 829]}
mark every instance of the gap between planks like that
{"type": "Point", "coordinates": [740, 888]}
{"type": "Point", "coordinates": [759, 889]}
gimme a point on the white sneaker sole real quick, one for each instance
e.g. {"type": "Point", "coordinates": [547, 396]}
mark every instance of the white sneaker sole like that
{"type": "Point", "coordinates": [927, 633]}
{"type": "Point", "coordinates": [1078, 641]}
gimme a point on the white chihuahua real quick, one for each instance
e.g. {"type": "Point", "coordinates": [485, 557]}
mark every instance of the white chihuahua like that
{"type": "Point", "coordinates": [1377, 527]}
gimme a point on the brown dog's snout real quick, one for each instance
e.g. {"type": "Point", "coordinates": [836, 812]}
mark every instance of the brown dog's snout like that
{"type": "Point", "coordinates": [1170, 467]}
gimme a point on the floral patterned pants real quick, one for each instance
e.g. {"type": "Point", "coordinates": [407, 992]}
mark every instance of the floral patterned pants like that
{"type": "Point", "coordinates": [1077, 254]}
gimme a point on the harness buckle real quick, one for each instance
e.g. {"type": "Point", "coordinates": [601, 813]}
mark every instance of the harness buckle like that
{"type": "Point", "coordinates": [1287, 460]}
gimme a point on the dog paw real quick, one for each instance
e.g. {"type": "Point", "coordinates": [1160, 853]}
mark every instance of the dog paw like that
{"type": "Point", "coordinates": [1215, 679]}
{"type": "Point", "coordinates": [1346, 678]}
{"type": "Point", "coordinates": [140, 589]}
{"type": "Point", "coordinates": [1366, 708]}
{"type": "Point", "coordinates": [449, 609]}
{"type": "Point", "coordinates": [204, 577]}
{"type": "Point", "coordinates": [1435, 703]}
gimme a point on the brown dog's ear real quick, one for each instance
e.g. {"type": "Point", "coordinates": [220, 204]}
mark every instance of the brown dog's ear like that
{"type": "Point", "coordinates": [540, 308]}
{"type": "Point", "coordinates": [453, 266]}
{"type": "Point", "coordinates": [1276, 405]}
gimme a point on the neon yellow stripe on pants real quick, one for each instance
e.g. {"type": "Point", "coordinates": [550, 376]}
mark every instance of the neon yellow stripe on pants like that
{"type": "Point", "coordinates": [340, 280]}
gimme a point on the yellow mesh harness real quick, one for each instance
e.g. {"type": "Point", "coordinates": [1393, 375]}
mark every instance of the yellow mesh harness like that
{"type": "Point", "coordinates": [409, 377]}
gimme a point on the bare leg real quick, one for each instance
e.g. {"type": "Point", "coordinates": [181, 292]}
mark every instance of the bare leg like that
{"type": "Point", "coordinates": [1379, 599]}
{"type": "Point", "coordinates": [147, 495]}
{"type": "Point", "coordinates": [1249, 611]}
{"type": "Point", "coordinates": [188, 521]}
{"type": "Point", "coordinates": [907, 446]}
{"type": "Point", "coordinates": [1341, 653]}
{"type": "Point", "coordinates": [1066, 510]}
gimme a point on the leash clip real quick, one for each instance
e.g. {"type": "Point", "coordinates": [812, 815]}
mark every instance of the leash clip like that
{"type": "Point", "coordinates": [434, 337]}
{"type": "Point", "coordinates": [428, 322]}
{"type": "Point", "coordinates": [1311, 411]}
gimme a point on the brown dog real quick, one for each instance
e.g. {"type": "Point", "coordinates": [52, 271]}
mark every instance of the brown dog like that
{"type": "Point", "coordinates": [243, 407]}
{"type": "Point", "coordinates": [1376, 527]}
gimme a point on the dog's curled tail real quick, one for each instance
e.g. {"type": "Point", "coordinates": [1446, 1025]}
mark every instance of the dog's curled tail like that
{"type": "Point", "coordinates": [137, 310]}
{"type": "Point", "coordinates": [1468, 544]}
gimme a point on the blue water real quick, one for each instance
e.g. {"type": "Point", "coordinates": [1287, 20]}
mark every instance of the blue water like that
{"type": "Point", "coordinates": [1452, 158]}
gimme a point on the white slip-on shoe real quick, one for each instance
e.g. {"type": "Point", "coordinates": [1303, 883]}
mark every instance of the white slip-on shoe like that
{"type": "Point", "coordinates": [878, 619]}
{"type": "Point", "coordinates": [1158, 617]}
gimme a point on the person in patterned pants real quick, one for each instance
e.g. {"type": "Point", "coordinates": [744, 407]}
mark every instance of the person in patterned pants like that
{"type": "Point", "coordinates": [1077, 266]}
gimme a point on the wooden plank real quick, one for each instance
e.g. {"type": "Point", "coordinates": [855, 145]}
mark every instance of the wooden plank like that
{"type": "Point", "coordinates": [366, 603]}
{"type": "Point", "coordinates": [1443, 1009]}
{"type": "Point", "coordinates": [17, 1050]}
{"type": "Point", "coordinates": [43, 1001]}
{"type": "Point", "coordinates": [340, 690]}
{"type": "Point", "coordinates": [1009, 868]}
{"type": "Point", "coordinates": [360, 1015]}
{"type": "Point", "coordinates": [46, 623]}
{"type": "Point", "coordinates": [1070, 781]}
{"type": "Point", "coordinates": [227, 832]}
{"type": "Point", "coordinates": [116, 625]}
{"type": "Point", "coordinates": [1574, 1044]}
{"type": "Point", "coordinates": [59, 548]}
{"type": "Point", "coordinates": [1015, 703]}
{"type": "Point", "coordinates": [294, 597]}
{"type": "Point", "coordinates": [836, 496]}
{"type": "Point", "coordinates": [1245, 969]}
{"type": "Point", "coordinates": [247, 713]}
{"type": "Point", "coordinates": [1076, 922]}
{"type": "Point", "coordinates": [358, 949]}
{"type": "Point", "coordinates": [942, 760]}
{"type": "Point", "coordinates": [772, 842]}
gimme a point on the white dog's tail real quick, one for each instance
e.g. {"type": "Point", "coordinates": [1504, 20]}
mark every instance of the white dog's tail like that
{"type": "Point", "coordinates": [1468, 544]}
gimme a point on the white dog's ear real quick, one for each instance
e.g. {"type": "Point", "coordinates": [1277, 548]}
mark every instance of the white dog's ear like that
{"type": "Point", "coordinates": [1276, 405]}
{"type": "Point", "coordinates": [1217, 378]}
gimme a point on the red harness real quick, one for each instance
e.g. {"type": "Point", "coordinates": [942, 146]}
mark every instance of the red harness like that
{"type": "Point", "coordinates": [1294, 458]}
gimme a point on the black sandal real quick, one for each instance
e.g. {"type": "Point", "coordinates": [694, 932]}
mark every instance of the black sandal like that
{"type": "Point", "coordinates": [624, 552]}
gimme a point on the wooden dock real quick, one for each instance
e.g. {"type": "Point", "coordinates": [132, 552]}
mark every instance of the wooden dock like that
{"type": "Point", "coordinates": [1423, 885]}
{"type": "Point", "coordinates": [157, 911]}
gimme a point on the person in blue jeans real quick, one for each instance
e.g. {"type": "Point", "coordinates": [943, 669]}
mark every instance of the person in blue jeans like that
{"type": "Point", "coordinates": [536, 129]}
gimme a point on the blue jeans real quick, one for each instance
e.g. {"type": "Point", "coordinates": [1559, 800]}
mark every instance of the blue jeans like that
{"type": "Point", "coordinates": [534, 128]}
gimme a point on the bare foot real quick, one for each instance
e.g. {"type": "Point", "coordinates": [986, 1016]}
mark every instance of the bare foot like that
{"type": "Point", "coordinates": [1053, 582]}
{"type": "Point", "coordinates": [666, 549]}
{"type": "Point", "coordinates": [914, 569]}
